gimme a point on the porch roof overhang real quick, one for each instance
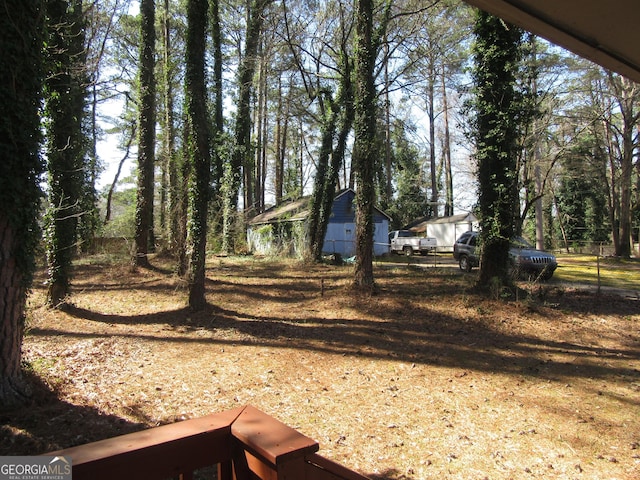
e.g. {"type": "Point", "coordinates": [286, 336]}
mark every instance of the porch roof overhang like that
{"type": "Point", "coordinates": [606, 33]}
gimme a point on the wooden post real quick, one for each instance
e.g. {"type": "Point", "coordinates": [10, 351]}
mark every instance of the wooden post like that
{"type": "Point", "coordinates": [598, 263]}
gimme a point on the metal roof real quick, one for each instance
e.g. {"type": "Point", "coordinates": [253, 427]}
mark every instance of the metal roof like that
{"type": "Point", "coordinates": [288, 211]}
{"type": "Point", "coordinates": [605, 32]}
{"type": "Point", "coordinates": [297, 210]}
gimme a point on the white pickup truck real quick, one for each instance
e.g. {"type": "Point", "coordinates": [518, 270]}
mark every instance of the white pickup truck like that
{"type": "Point", "coordinates": [407, 243]}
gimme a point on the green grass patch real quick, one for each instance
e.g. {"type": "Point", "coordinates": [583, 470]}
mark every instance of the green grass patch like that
{"type": "Point", "coordinates": [606, 271]}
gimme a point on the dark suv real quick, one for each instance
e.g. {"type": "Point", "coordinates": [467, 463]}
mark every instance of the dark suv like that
{"type": "Point", "coordinates": [525, 259]}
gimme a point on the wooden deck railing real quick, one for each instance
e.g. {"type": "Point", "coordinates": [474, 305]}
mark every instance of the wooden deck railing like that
{"type": "Point", "coordinates": [244, 444]}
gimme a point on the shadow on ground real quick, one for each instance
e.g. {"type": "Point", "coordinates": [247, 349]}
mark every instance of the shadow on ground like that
{"type": "Point", "coordinates": [43, 425]}
{"type": "Point", "coordinates": [394, 329]}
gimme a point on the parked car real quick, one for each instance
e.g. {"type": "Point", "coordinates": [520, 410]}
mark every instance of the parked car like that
{"type": "Point", "coordinates": [525, 259]}
{"type": "Point", "coordinates": [464, 250]}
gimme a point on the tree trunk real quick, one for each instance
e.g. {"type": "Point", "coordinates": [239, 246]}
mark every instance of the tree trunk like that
{"type": "Point", "coordinates": [241, 156]}
{"type": "Point", "coordinates": [283, 146]}
{"type": "Point", "coordinates": [613, 198]}
{"type": "Point", "coordinates": [497, 46]}
{"type": "Point", "coordinates": [199, 148]}
{"type": "Point", "coordinates": [433, 201]}
{"type": "Point", "coordinates": [446, 151]}
{"type": "Point", "coordinates": [626, 171]}
{"type": "Point", "coordinates": [171, 159]}
{"type": "Point", "coordinates": [218, 116]}
{"type": "Point", "coordinates": [628, 94]}
{"type": "Point", "coordinates": [540, 244]}
{"type": "Point", "coordinates": [66, 96]}
{"type": "Point", "coordinates": [116, 177]}
{"type": "Point", "coordinates": [364, 149]}
{"type": "Point", "coordinates": [21, 47]}
{"type": "Point", "coordinates": [327, 132]}
{"type": "Point", "coordinates": [387, 129]}
{"type": "Point", "coordinates": [167, 128]}
{"type": "Point", "coordinates": [264, 135]}
{"type": "Point", "coordinates": [146, 130]}
{"type": "Point", "coordinates": [13, 389]}
{"type": "Point", "coordinates": [342, 121]}
{"type": "Point", "coordinates": [279, 160]}
{"type": "Point", "coordinates": [182, 205]}
{"type": "Point", "coordinates": [261, 136]}
{"type": "Point", "coordinates": [95, 77]}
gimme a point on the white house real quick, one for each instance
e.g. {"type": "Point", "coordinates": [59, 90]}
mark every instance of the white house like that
{"type": "Point", "coordinates": [445, 229]}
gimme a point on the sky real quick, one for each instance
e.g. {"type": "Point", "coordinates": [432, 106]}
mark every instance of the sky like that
{"type": "Point", "coordinates": [110, 154]}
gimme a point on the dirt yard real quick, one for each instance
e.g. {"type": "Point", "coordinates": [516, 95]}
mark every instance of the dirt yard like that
{"type": "Point", "coordinates": [425, 380]}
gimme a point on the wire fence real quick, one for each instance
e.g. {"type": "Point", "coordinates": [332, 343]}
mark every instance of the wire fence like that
{"type": "Point", "coordinates": [595, 248]}
{"type": "Point", "coordinates": [600, 270]}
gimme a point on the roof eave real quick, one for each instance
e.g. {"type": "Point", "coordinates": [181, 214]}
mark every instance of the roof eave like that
{"type": "Point", "coordinates": [613, 48]}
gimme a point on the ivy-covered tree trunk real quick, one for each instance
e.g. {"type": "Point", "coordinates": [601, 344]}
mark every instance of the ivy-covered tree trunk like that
{"type": "Point", "coordinates": [218, 110]}
{"type": "Point", "coordinates": [173, 193]}
{"type": "Point", "coordinates": [146, 131]}
{"type": "Point", "coordinates": [321, 181]}
{"type": "Point", "coordinates": [496, 55]}
{"type": "Point", "coordinates": [182, 204]}
{"type": "Point", "coordinates": [340, 121]}
{"type": "Point", "coordinates": [241, 156]}
{"type": "Point", "coordinates": [66, 144]}
{"type": "Point", "coordinates": [364, 149]}
{"type": "Point", "coordinates": [21, 45]}
{"type": "Point", "coordinates": [199, 149]}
